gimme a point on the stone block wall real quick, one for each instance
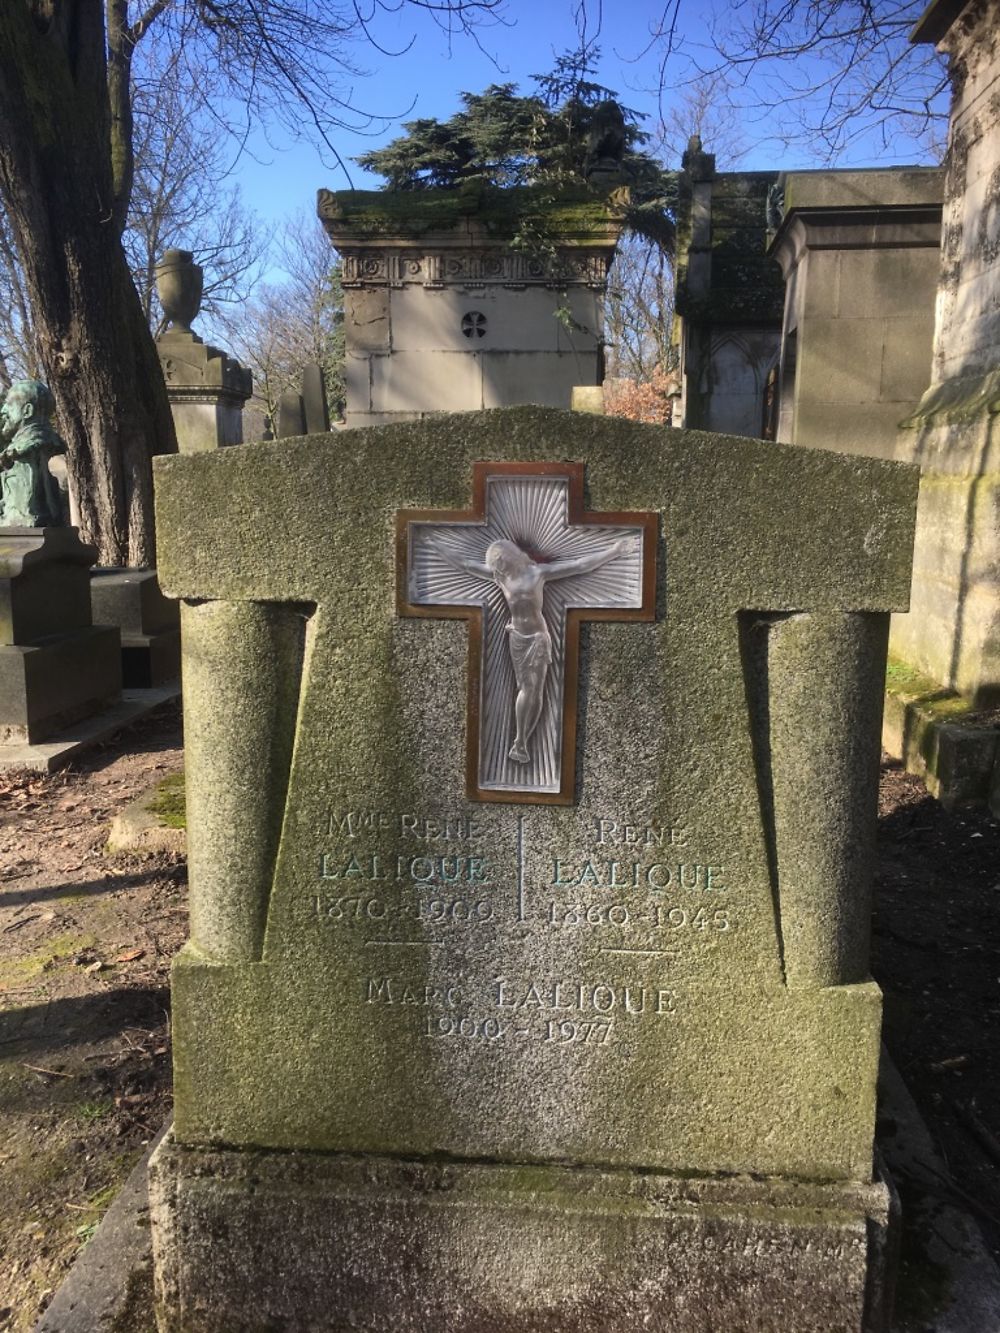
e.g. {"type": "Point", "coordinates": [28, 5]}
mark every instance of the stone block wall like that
{"type": "Point", "coordinates": [859, 250]}
{"type": "Point", "coordinates": [952, 632]}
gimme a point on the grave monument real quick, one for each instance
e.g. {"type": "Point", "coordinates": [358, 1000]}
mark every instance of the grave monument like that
{"type": "Point", "coordinates": [531, 769]}
{"type": "Point", "coordinates": [56, 666]}
{"type": "Point", "coordinates": [448, 308]}
{"type": "Point", "coordinates": [207, 388]}
{"type": "Point", "coordinates": [953, 633]}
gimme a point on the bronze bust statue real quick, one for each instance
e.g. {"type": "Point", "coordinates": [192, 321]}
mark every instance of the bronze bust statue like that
{"type": "Point", "coordinates": [30, 496]}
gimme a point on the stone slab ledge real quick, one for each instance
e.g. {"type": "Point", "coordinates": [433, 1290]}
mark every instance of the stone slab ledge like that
{"type": "Point", "coordinates": [48, 756]}
{"type": "Point", "coordinates": [941, 737]}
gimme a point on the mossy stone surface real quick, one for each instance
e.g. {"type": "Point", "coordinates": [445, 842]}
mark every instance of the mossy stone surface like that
{"type": "Point", "coordinates": [348, 989]}
{"type": "Point", "coordinates": [569, 214]}
{"type": "Point", "coordinates": [376, 1243]}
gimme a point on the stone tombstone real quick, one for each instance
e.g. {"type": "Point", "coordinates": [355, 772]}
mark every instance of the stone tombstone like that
{"type": "Point", "coordinates": [532, 760]}
{"type": "Point", "coordinates": [448, 309]}
{"type": "Point", "coordinates": [729, 296]}
{"type": "Point", "coordinates": [291, 415]}
{"type": "Point", "coordinates": [859, 253]}
{"type": "Point", "coordinates": [314, 402]}
{"type": "Point", "coordinates": [149, 624]}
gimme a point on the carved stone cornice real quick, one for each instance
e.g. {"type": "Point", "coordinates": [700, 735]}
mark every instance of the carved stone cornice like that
{"type": "Point", "coordinates": [376, 265]}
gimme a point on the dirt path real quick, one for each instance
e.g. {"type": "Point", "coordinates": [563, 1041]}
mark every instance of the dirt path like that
{"type": "Point", "coordinates": [85, 946]}
{"type": "Point", "coordinates": [86, 939]}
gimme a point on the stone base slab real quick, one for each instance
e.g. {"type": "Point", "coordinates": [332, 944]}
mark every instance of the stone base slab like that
{"type": "Point", "coordinates": [53, 754]}
{"type": "Point", "coordinates": [255, 1240]}
{"type": "Point", "coordinates": [941, 737]}
{"type": "Point", "coordinates": [50, 685]}
{"type": "Point", "coordinates": [140, 827]}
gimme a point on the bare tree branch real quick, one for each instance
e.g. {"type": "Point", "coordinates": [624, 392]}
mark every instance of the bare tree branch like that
{"type": "Point", "coordinates": [829, 73]}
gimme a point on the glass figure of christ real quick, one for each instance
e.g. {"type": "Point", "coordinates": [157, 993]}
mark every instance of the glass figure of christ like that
{"type": "Point", "coordinates": [522, 582]}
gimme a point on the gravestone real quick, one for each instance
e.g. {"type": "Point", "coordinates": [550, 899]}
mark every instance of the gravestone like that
{"type": "Point", "coordinates": [314, 403]}
{"type": "Point", "coordinates": [291, 415]}
{"type": "Point", "coordinates": [531, 771]}
{"type": "Point", "coordinates": [305, 412]}
{"type": "Point", "coordinates": [56, 666]}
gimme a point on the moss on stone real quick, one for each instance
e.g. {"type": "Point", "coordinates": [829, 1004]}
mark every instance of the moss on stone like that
{"type": "Point", "coordinates": [901, 676]}
{"type": "Point", "coordinates": [417, 212]}
{"type": "Point", "coordinates": [756, 1075]}
{"type": "Point", "coordinates": [168, 803]}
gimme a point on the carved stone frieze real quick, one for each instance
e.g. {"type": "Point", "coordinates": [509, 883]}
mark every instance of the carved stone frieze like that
{"type": "Point", "coordinates": [472, 267]}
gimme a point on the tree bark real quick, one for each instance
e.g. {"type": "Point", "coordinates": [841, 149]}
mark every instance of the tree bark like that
{"type": "Point", "coordinates": [57, 184]}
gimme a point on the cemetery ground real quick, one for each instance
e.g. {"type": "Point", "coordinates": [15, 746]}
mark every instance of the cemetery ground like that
{"type": "Point", "coordinates": [85, 947]}
{"type": "Point", "coordinates": [86, 940]}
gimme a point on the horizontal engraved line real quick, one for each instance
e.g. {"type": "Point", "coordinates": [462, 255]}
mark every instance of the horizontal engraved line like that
{"type": "Point", "coordinates": [658, 953]}
{"type": "Point", "coordinates": [417, 944]}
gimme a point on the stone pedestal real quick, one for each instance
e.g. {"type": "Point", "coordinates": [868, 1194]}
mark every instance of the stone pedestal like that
{"type": "Point", "coordinates": [207, 390]}
{"type": "Point", "coordinates": [56, 667]}
{"type": "Point", "coordinates": [149, 624]}
{"type": "Point", "coordinates": [467, 1247]}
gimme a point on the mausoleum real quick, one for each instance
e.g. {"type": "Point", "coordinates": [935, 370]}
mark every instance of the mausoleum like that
{"type": "Point", "coordinates": [456, 300]}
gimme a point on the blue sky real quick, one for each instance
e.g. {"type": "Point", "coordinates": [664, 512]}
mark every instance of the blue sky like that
{"type": "Point", "coordinates": [282, 177]}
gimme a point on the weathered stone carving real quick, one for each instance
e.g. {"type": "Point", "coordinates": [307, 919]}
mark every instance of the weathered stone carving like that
{"type": "Point", "coordinates": [395, 268]}
{"type": "Point", "coordinates": [30, 496]}
{"type": "Point", "coordinates": [606, 144]}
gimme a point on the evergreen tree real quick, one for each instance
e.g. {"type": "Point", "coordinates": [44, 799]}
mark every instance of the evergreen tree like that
{"type": "Point", "coordinates": [505, 139]}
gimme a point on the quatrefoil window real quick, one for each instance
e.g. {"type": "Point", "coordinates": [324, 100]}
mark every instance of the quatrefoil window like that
{"type": "Point", "coordinates": [474, 324]}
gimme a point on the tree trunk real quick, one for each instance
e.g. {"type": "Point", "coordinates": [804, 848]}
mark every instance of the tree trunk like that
{"type": "Point", "coordinates": [57, 186]}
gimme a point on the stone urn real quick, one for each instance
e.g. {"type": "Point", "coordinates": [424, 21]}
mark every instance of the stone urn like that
{"type": "Point", "coordinates": [178, 285]}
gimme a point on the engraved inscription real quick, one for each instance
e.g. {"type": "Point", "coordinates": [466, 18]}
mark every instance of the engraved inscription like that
{"type": "Point", "coordinates": [623, 898]}
{"type": "Point", "coordinates": [624, 833]}
{"type": "Point", "coordinates": [555, 1012]}
{"type": "Point", "coordinates": [422, 828]}
{"type": "Point", "coordinates": [405, 869]}
{"type": "Point", "coordinates": [642, 902]}
{"type": "Point", "coordinates": [634, 875]}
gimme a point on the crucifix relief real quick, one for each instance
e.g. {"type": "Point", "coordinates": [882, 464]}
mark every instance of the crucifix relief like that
{"type": "Point", "coordinates": [524, 566]}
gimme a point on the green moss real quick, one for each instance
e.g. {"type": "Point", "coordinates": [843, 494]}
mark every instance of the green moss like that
{"type": "Point", "coordinates": [58, 951]}
{"type": "Point", "coordinates": [169, 803]}
{"type": "Point", "coordinates": [900, 675]}
{"type": "Point", "coordinates": [416, 212]}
